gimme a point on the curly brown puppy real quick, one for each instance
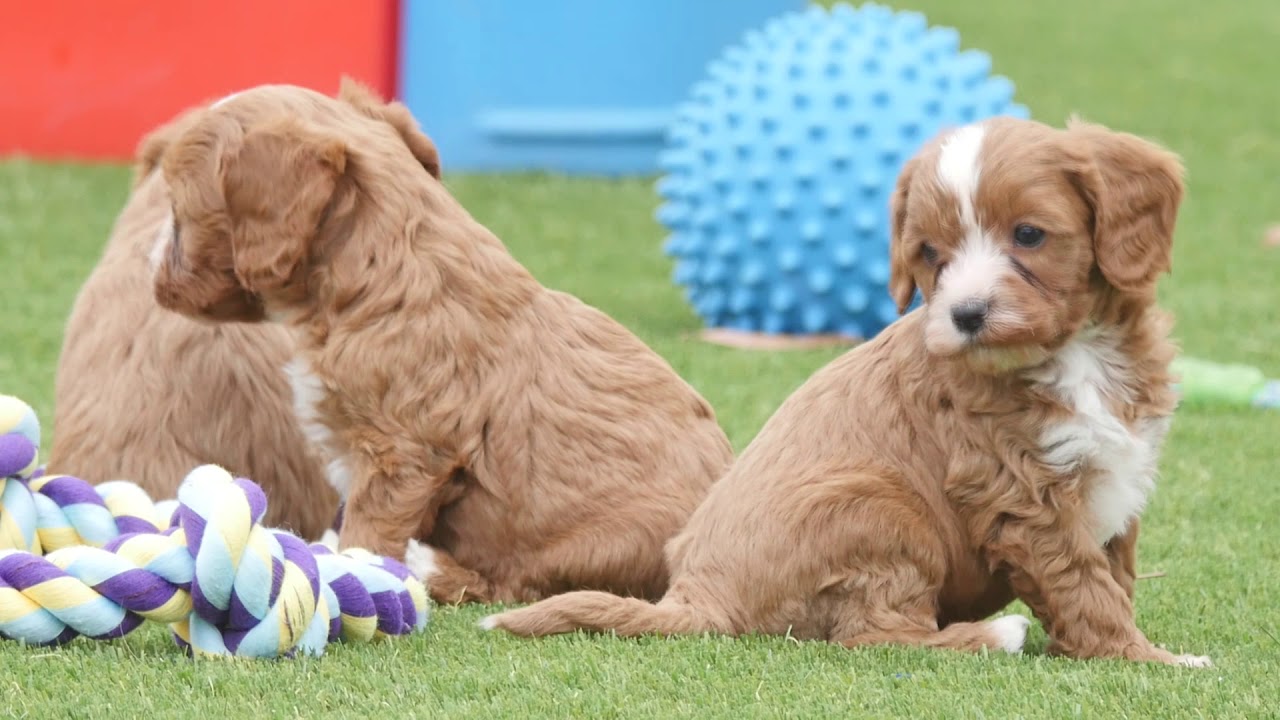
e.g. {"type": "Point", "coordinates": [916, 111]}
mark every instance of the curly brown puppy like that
{"type": "Point", "coordinates": [146, 394]}
{"type": "Point", "coordinates": [533, 443]}
{"type": "Point", "coordinates": [997, 443]}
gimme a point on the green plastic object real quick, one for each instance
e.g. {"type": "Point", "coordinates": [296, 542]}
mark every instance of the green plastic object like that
{"type": "Point", "coordinates": [1205, 383]}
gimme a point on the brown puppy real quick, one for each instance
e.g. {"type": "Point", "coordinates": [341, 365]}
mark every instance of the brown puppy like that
{"type": "Point", "coordinates": [146, 395]}
{"type": "Point", "coordinates": [999, 442]}
{"type": "Point", "coordinates": [535, 444]}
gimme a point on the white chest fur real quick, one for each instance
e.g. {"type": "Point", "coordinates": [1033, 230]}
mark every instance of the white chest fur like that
{"type": "Point", "coordinates": [307, 393]}
{"type": "Point", "coordinates": [1088, 374]}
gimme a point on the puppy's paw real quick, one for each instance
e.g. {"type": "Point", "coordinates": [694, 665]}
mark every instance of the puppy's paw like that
{"type": "Point", "coordinates": [1010, 632]}
{"type": "Point", "coordinates": [329, 539]}
{"type": "Point", "coordinates": [488, 622]}
{"type": "Point", "coordinates": [1195, 661]}
{"type": "Point", "coordinates": [421, 560]}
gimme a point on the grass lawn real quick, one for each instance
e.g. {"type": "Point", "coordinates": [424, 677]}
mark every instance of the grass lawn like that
{"type": "Point", "coordinates": [1200, 80]}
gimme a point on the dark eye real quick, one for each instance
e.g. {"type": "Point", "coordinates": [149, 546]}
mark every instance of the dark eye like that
{"type": "Point", "coordinates": [1028, 236]}
{"type": "Point", "coordinates": [929, 253]}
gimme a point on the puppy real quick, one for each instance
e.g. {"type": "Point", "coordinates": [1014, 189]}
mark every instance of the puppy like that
{"type": "Point", "coordinates": [532, 442]}
{"type": "Point", "coordinates": [998, 442]}
{"type": "Point", "coordinates": [146, 395]}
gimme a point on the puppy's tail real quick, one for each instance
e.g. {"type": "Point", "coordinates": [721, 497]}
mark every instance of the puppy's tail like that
{"type": "Point", "coordinates": [600, 612]}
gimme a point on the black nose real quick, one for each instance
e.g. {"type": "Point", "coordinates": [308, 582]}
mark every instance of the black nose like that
{"type": "Point", "coordinates": [969, 315]}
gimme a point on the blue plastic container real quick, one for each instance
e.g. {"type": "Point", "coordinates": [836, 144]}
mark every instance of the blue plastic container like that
{"type": "Point", "coordinates": [570, 86]}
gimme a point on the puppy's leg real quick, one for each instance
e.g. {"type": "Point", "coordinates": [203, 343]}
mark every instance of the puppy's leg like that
{"type": "Point", "coordinates": [390, 503]}
{"type": "Point", "coordinates": [894, 604]}
{"type": "Point", "coordinates": [385, 511]}
{"type": "Point", "coordinates": [624, 559]}
{"type": "Point", "coordinates": [448, 582]}
{"type": "Point", "coordinates": [1061, 573]}
{"type": "Point", "coordinates": [1122, 553]}
{"type": "Point", "coordinates": [1007, 633]}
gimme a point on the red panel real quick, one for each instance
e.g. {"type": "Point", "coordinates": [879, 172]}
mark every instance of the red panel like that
{"type": "Point", "coordinates": [87, 78]}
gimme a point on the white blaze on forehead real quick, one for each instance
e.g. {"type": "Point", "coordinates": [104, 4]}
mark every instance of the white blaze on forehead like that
{"type": "Point", "coordinates": [978, 266]}
{"type": "Point", "coordinates": [978, 263]}
{"type": "Point", "coordinates": [959, 167]}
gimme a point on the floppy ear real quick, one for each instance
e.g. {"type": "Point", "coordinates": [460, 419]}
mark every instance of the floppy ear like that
{"type": "Point", "coordinates": [1135, 188]}
{"type": "Point", "coordinates": [902, 284]}
{"type": "Point", "coordinates": [397, 116]}
{"type": "Point", "coordinates": [150, 150]}
{"type": "Point", "coordinates": [277, 183]}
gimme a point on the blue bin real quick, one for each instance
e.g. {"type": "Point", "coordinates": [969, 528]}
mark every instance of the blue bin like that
{"type": "Point", "coordinates": [569, 86]}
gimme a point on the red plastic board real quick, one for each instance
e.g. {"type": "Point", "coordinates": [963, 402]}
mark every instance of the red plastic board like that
{"type": "Point", "coordinates": [88, 78]}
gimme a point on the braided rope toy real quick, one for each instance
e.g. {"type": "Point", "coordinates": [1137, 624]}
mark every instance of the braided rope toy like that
{"type": "Point", "coordinates": [97, 561]}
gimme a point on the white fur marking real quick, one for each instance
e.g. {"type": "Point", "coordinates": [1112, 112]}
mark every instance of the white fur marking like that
{"type": "Point", "coordinates": [959, 169]}
{"type": "Point", "coordinates": [1011, 631]}
{"type": "Point", "coordinates": [488, 622]}
{"type": "Point", "coordinates": [163, 241]}
{"type": "Point", "coordinates": [421, 560]}
{"type": "Point", "coordinates": [339, 476]}
{"type": "Point", "coordinates": [979, 266]}
{"type": "Point", "coordinates": [1086, 373]}
{"type": "Point", "coordinates": [329, 539]}
{"type": "Point", "coordinates": [308, 390]}
{"type": "Point", "coordinates": [973, 273]}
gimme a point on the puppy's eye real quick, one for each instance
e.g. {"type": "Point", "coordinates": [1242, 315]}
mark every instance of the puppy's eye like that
{"type": "Point", "coordinates": [1028, 236]}
{"type": "Point", "coordinates": [929, 253]}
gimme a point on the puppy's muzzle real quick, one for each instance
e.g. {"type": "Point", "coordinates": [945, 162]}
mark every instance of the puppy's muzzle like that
{"type": "Point", "coordinates": [969, 316]}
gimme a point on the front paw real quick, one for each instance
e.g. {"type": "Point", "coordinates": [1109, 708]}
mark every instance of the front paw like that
{"type": "Point", "coordinates": [1194, 661]}
{"type": "Point", "coordinates": [421, 560]}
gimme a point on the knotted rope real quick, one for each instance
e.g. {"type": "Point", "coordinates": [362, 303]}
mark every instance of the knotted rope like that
{"type": "Point", "coordinates": [76, 559]}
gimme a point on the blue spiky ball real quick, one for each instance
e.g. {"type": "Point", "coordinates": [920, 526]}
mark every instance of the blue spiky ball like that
{"type": "Point", "coordinates": [780, 165]}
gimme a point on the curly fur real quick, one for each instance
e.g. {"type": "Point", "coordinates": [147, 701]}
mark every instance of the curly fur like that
{"type": "Point", "coordinates": [922, 481]}
{"type": "Point", "coordinates": [146, 394]}
{"type": "Point", "coordinates": [534, 444]}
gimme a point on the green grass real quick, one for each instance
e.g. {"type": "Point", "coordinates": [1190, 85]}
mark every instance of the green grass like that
{"type": "Point", "coordinates": [1200, 80]}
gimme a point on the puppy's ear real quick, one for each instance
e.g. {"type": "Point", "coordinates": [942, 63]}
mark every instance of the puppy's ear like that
{"type": "Point", "coordinates": [397, 116]}
{"type": "Point", "coordinates": [278, 179]}
{"type": "Point", "coordinates": [902, 283]}
{"type": "Point", "coordinates": [1135, 188]}
{"type": "Point", "coordinates": [150, 150]}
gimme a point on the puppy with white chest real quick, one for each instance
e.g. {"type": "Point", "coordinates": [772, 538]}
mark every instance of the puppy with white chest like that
{"type": "Point", "coordinates": [532, 443]}
{"type": "Point", "coordinates": [998, 442]}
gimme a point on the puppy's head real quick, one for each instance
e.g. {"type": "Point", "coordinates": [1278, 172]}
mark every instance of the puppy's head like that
{"type": "Point", "coordinates": [1014, 232]}
{"type": "Point", "coordinates": [257, 180]}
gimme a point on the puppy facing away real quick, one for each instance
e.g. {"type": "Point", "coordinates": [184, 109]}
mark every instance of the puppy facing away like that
{"type": "Point", "coordinates": [997, 443]}
{"type": "Point", "coordinates": [145, 394]}
{"type": "Point", "coordinates": [532, 443]}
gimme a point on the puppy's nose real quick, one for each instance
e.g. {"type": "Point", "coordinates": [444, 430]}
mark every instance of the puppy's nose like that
{"type": "Point", "coordinates": [969, 315]}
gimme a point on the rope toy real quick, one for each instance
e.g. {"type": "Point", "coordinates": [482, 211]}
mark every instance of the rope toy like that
{"type": "Point", "coordinates": [19, 437]}
{"type": "Point", "coordinates": [97, 561]}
